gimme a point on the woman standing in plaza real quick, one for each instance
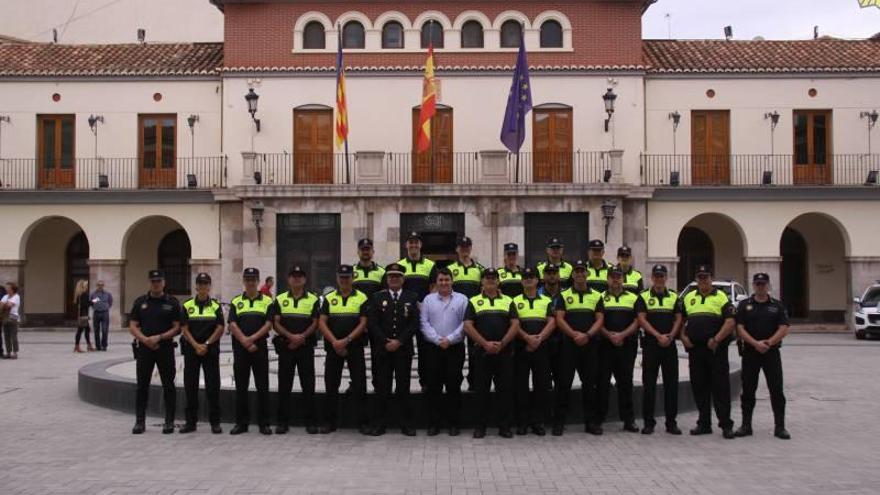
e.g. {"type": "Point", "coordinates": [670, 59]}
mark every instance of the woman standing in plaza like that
{"type": "Point", "coordinates": [82, 302]}
{"type": "Point", "coordinates": [11, 303]}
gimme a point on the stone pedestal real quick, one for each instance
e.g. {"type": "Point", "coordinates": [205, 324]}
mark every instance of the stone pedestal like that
{"type": "Point", "coordinates": [493, 167]}
{"type": "Point", "coordinates": [770, 265]}
{"type": "Point", "coordinates": [863, 271]}
{"type": "Point", "coordinates": [212, 268]}
{"type": "Point", "coordinates": [671, 265]}
{"type": "Point", "coordinates": [112, 273]}
{"type": "Point", "coordinates": [616, 159]}
{"type": "Point", "coordinates": [248, 165]}
{"type": "Point", "coordinates": [370, 167]}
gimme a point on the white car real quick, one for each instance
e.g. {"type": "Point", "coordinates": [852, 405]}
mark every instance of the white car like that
{"type": "Point", "coordinates": [866, 317]}
{"type": "Point", "coordinates": [733, 289]}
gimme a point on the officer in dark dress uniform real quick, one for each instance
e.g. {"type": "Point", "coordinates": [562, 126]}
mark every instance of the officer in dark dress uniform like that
{"type": "Point", "coordinates": [510, 274]}
{"type": "Point", "coordinates": [296, 321]}
{"type": "Point", "coordinates": [250, 318]}
{"type": "Point", "coordinates": [153, 322]}
{"type": "Point", "coordinates": [393, 322]}
{"type": "Point", "coordinates": [203, 325]}
{"type": "Point", "coordinates": [762, 323]}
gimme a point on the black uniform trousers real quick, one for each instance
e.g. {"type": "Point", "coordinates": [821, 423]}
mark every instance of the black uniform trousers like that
{"type": "Point", "coordinates": [357, 371]}
{"type": "Point", "coordinates": [193, 364]}
{"type": "Point", "coordinates": [585, 361]}
{"type": "Point", "coordinates": [289, 361]}
{"type": "Point", "coordinates": [163, 359]}
{"type": "Point", "coordinates": [619, 362]}
{"type": "Point", "coordinates": [489, 368]}
{"type": "Point", "coordinates": [443, 369]}
{"type": "Point", "coordinates": [752, 364]}
{"type": "Point", "coordinates": [392, 368]}
{"type": "Point", "coordinates": [532, 407]}
{"type": "Point", "coordinates": [710, 383]}
{"type": "Point", "coordinates": [245, 362]}
{"type": "Point", "coordinates": [654, 360]}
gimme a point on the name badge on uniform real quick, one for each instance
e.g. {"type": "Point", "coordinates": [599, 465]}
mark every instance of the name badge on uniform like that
{"type": "Point", "coordinates": [145, 306]}
{"type": "Point", "coordinates": [167, 307]}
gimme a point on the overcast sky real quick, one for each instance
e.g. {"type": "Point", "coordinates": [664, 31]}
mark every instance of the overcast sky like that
{"type": "Point", "coordinates": [772, 19]}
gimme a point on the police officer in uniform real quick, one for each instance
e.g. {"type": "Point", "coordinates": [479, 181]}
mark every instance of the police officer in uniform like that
{"type": "Point", "coordinates": [509, 274]}
{"type": "Point", "coordinates": [660, 319]}
{"type": "Point", "coordinates": [420, 271]}
{"type": "Point", "coordinates": [618, 348]}
{"type": "Point", "coordinates": [555, 249]}
{"type": "Point", "coordinates": [597, 269]}
{"type": "Point", "coordinates": [393, 322]}
{"type": "Point", "coordinates": [579, 318]}
{"type": "Point", "coordinates": [536, 323]}
{"type": "Point", "coordinates": [489, 320]}
{"type": "Point", "coordinates": [466, 275]}
{"type": "Point", "coordinates": [632, 278]}
{"type": "Point", "coordinates": [549, 286]}
{"type": "Point", "coordinates": [250, 318]}
{"type": "Point", "coordinates": [203, 325]}
{"type": "Point", "coordinates": [295, 322]}
{"type": "Point", "coordinates": [762, 323]}
{"type": "Point", "coordinates": [367, 273]}
{"type": "Point", "coordinates": [709, 323]}
{"type": "Point", "coordinates": [343, 323]}
{"type": "Point", "coordinates": [153, 322]}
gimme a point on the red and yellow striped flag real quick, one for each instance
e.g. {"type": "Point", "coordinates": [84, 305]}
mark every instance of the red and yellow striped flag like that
{"type": "Point", "coordinates": [341, 108]}
{"type": "Point", "coordinates": [429, 103]}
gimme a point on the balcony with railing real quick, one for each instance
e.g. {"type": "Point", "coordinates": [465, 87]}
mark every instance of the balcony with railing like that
{"type": "Point", "coordinates": [759, 170]}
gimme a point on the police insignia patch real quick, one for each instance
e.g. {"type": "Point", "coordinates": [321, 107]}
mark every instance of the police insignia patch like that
{"type": "Point", "coordinates": [455, 272]}
{"type": "Point", "coordinates": [355, 274]}
{"type": "Point", "coordinates": [191, 310]}
{"type": "Point", "coordinates": [144, 306]}
{"type": "Point", "coordinates": [693, 301]}
{"type": "Point", "coordinates": [503, 274]}
{"type": "Point", "coordinates": [285, 303]}
{"type": "Point", "coordinates": [569, 299]}
{"type": "Point", "coordinates": [607, 298]}
{"type": "Point", "coordinates": [334, 301]}
{"type": "Point", "coordinates": [652, 301]}
{"type": "Point", "coordinates": [480, 302]}
{"type": "Point", "coordinates": [240, 305]}
{"type": "Point", "coordinates": [384, 303]}
{"type": "Point", "coordinates": [520, 306]}
{"type": "Point", "coordinates": [748, 307]}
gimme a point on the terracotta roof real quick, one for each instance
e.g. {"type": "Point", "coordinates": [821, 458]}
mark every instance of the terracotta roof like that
{"type": "Point", "coordinates": [794, 56]}
{"type": "Point", "coordinates": [438, 68]}
{"type": "Point", "coordinates": [166, 59]}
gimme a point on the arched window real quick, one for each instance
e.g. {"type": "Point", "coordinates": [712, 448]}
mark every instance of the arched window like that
{"type": "Point", "coordinates": [174, 255]}
{"type": "Point", "coordinates": [432, 31]}
{"type": "Point", "coordinates": [392, 35]}
{"type": "Point", "coordinates": [313, 36]}
{"type": "Point", "coordinates": [510, 34]}
{"type": "Point", "coordinates": [551, 34]}
{"type": "Point", "coordinates": [353, 35]}
{"type": "Point", "coordinates": [472, 35]}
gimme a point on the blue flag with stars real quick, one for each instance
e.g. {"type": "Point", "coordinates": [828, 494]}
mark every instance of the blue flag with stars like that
{"type": "Point", "coordinates": [519, 103]}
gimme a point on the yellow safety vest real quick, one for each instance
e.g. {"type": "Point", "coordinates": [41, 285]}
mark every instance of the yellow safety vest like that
{"type": "Point", "coordinates": [664, 305]}
{"type": "Point", "coordinates": [245, 306]}
{"type": "Point", "coordinates": [351, 305]}
{"type": "Point", "coordinates": [302, 307]}
{"type": "Point", "coordinates": [534, 310]}
{"type": "Point", "coordinates": [631, 280]}
{"type": "Point", "coordinates": [207, 312]}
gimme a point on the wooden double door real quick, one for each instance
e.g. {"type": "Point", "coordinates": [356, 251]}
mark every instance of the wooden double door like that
{"type": "Point", "coordinates": [434, 166]}
{"type": "Point", "coordinates": [710, 147]}
{"type": "Point", "coordinates": [552, 132]}
{"type": "Point", "coordinates": [56, 151]}
{"type": "Point", "coordinates": [812, 147]}
{"type": "Point", "coordinates": [157, 144]}
{"type": "Point", "coordinates": [313, 145]}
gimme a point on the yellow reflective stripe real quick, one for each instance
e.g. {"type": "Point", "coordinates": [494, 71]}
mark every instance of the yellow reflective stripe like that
{"type": "Point", "coordinates": [461, 273]}
{"type": "Point", "coordinates": [289, 306]}
{"type": "Point", "coordinates": [666, 304]}
{"type": "Point", "coordinates": [422, 268]}
{"type": "Point", "coordinates": [243, 306]}
{"type": "Point", "coordinates": [627, 300]}
{"type": "Point", "coordinates": [573, 300]}
{"type": "Point", "coordinates": [537, 312]}
{"type": "Point", "coordinates": [349, 306]}
{"type": "Point", "coordinates": [483, 304]}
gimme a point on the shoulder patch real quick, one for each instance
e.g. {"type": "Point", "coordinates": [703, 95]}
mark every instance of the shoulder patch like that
{"type": "Point", "coordinates": [479, 302]}
{"type": "Point", "coordinates": [520, 306]}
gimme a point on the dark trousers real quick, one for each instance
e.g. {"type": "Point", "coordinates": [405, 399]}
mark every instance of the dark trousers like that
{"type": "Point", "coordinates": [302, 359]}
{"type": "Point", "coordinates": [710, 383]}
{"type": "Point", "coordinates": [752, 364]}
{"type": "Point", "coordinates": [585, 361]}
{"type": "Point", "coordinates": [192, 365]}
{"type": "Point", "coordinates": [80, 331]}
{"type": "Point", "coordinates": [470, 347]}
{"type": "Point", "coordinates": [617, 361]}
{"type": "Point", "coordinates": [655, 359]}
{"type": "Point", "coordinates": [489, 368]}
{"type": "Point", "coordinates": [532, 407]}
{"type": "Point", "coordinates": [163, 359]}
{"type": "Point", "coordinates": [101, 324]}
{"type": "Point", "coordinates": [357, 370]}
{"type": "Point", "coordinates": [245, 363]}
{"type": "Point", "coordinates": [392, 368]}
{"type": "Point", "coordinates": [444, 369]}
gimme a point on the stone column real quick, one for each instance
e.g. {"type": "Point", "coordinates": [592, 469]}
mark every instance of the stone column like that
{"type": "Point", "coordinates": [616, 158]}
{"type": "Point", "coordinates": [370, 167]}
{"type": "Point", "coordinates": [863, 271]}
{"type": "Point", "coordinates": [671, 265]}
{"type": "Point", "coordinates": [493, 167]}
{"type": "Point", "coordinates": [771, 265]}
{"type": "Point", "coordinates": [112, 273]}
{"type": "Point", "coordinates": [248, 166]}
{"type": "Point", "coordinates": [212, 268]}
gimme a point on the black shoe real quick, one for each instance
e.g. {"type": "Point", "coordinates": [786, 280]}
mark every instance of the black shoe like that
{"type": "Point", "coordinates": [282, 429]}
{"type": "Point", "coordinates": [311, 429]}
{"type": "Point", "coordinates": [593, 429]}
{"type": "Point", "coordinates": [366, 430]}
{"type": "Point", "coordinates": [325, 429]}
{"type": "Point", "coordinates": [238, 429]}
{"type": "Point", "coordinates": [215, 429]}
{"type": "Point", "coordinates": [505, 433]}
{"type": "Point", "coordinates": [539, 430]}
{"type": "Point", "coordinates": [479, 432]}
{"type": "Point", "coordinates": [557, 430]}
{"type": "Point", "coordinates": [630, 426]}
{"type": "Point", "coordinates": [407, 431]}
{"type": "Point", "coordinates": [673, 430]}
{"type": "Point", "coordinates": [265, 430]}
{"type": "Point", "coordinates": [187, 428]}
{"type": "Point", "coordinates": [701, 430]}
{"type": "Point", "coordinates": [743, 431]}
{"type": "Point", "coordinates": [138, 429]}
{"type": "Point", "coordinates": [454, 431]}
{"type": "Point", "coordinates": [522, 430]}
{"type": "Point", "coordinates": [781, 433]}
{"type": "Point", "coordinates": [648, 430]}
{"type": "Point", "coordinates": [168, 428]}
{"type": "Point", "coordinates": [433, 431]}
{"type": "Point", "coordinates": [375, 432]}
{"type": "Point", "coordinates": [728, 434]}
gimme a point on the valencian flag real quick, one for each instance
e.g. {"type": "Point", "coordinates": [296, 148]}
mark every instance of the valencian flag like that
{"type": "Point", "coordinates": [429, 103]}
{"type": "Point", "coordinates": [519, 103]}
{"type": "Point", "coordinates": [341, 108]}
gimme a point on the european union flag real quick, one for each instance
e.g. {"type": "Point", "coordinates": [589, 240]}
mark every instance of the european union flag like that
{"type": "Point", "coordinates": [519, 103]}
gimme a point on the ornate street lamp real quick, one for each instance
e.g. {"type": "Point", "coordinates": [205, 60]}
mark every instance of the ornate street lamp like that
{"type": "Point", "coordinates": [609, 98]}
{"type": "Point", "coordinates": [252, 97]}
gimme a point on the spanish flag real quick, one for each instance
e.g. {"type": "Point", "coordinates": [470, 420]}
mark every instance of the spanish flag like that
{"type": "Point", "coordinates": [341, 108]}
{"type": "Point", "coordinates": [429, 103]}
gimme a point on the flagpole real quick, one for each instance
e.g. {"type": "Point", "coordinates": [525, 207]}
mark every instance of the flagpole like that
{"type": "Point", "coordinates": [518, 135]}
{"type": "Point", "coordinates": [339, 74]}
{"type": "Point", "coordinates": [431, 137]}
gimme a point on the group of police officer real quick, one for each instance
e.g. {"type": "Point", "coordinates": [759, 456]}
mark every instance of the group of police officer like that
{"type": "Point", "coordinates": [542, 323]}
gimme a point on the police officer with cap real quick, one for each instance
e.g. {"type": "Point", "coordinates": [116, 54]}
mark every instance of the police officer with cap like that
{"type": "Point", "coordinates": [466, 275]}
{"type": "Point", "coordinates": [203, 325]}
{"type": "Point", "coordinates": [555, 249]}
{"type": "Point", "coordinates": [510, 274]}
{"type": "Point", "coordinates": [153, 322]}
{"type": "Point", "coordinates": [597, 268]}
{"type": "Point", "coordinates": [420, 271]}
{"type": "Point", "coordinates": [709, 323]}
{"type": "Point", "coordinates": [295, 322]}
{"type": "Point", "coordinates": [632, 278]}
{"type": "Point", "coordinates": [250, 318]}
{"type": "Point", "coordinates": [367, 273]}
{"type": "Point", "coordinates": [393, 322]}
{"type": "Point", "coordinates": [762, 323]}
{"type": "Point", "coordinates": [549, 286]}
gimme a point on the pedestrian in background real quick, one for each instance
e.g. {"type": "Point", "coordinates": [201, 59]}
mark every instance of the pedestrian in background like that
{"type": "Point", "coordinates": [81, 300]}
{"type": "Point", "coordinates": [266, 288]}
{"type": "Point", "coordinates": [11, 304]}
{"type": "Point", "coordinates": [101, 301]}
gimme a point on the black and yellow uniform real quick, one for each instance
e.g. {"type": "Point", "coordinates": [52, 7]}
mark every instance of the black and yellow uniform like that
{"type": "Point", "coordinates": [597, 277]}
{"type": "Point", "coordinates": [368, 279]}
{"type": "Point", "coordinates": [155, 315]}
{"type": "Point", "coordinates": [532, 408]}
{"type": "Point", "coordinates": [554, 343]}
{"type": "Point", "coordinates": [510, 281]}
{"type": "Point", "coordinates": [201, 317]}
{"type": "Point", "coordinates": [296, 314]}
{"type": "Point", "coordinates": [660, 309]}
{"type": "Point", "coordinates": [466, 278]}
{"type": "Point", "coordinates": [579, 309]}
{"type": "Point", "coordinates": [632, 281]}
{"type": "Point", "coordinates": [491, 317]}
{"type": "Point", "coordinates": [704, 317]}
{"type": "Point", "coordinates": [761, 320]}
{"type": "Point", "coordinates": [250, 315]}
{"type": "Point", "coordinates": [343, 316]}
{"type": "Point", "coordinates": [620, 313]}
{"type": "Point", "coordinates": [565, 269]}
{"type": "Point", "coordinates": [419, 276]}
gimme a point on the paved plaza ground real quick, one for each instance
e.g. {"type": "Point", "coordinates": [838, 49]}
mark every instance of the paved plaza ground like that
{"type": "Point", "coordinates": [54, 443]}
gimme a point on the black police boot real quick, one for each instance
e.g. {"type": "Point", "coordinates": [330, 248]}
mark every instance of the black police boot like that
{"type": "Point", "coordinates": [311, 429]}
{"type": "Point", "coordinates": [522, 430]}
{"type": "Point", "coordinates": [376, 432]}
{"type": "Point", "coordinates": [557, 430]}
{"type": "Point", "coordinates": [433, 431]}
{"type": "Point", "coordinates": [365, 429]}
{"type": "Point", "coordinates": [701, 430]}
{"type": "Point", "coordinates": [630, 426]}
{"type": "Point", "coordinates": [454, 431]}
{"type": "Point", "coordinates": [539, 430]}
{"type": "Point", "coordinates": [282, 429]}
{"type": "Point", "coordinates": [168, 428]}
{"type": "Point", "coordinates": [648, 430]}
{"type": "Point", "coordinates": [744, 430]}
{"type": "Point", "coordinates": [238, 429]}
{"type": "Point", "coordinates": [139, 428]}
{"type": "Point", "coordinates": [673, 429]}
{"type": "Point", "coordinates": [187, 428]}
{"type": "Point", "coordinates": [215, 428]}
{"type": "Point", "coordinates": [728, 434]}
{"type": "Point", "coordinates": [480, 432]}
{"type": "Point", "coordinates": [593, 429]}
{"type": "Point", "coordinates": [781, 433]}
{"type": "Point", "coordinates": [327, 428]}
{"type": "Point", "coordinates": [265, 429]}
{"type": "Point", "coordinates": [505, 432]}
{"type": "Point", "coordinates": [407, 431]}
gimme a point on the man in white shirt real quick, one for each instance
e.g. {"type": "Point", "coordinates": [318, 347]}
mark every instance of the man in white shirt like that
{"type": "Point", "coordinates": [10, 304]}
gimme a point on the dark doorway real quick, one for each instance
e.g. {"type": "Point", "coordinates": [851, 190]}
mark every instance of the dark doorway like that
{"type": "Point", "coordinates": [694, 248]}
{"type": "Point", "coordinates": [571, 228]}
{"type": "Point", "coordinates": [174, 255]}
{"type": "Point", "coordinates": [310, 241]}
{"type": "Point", "coordinates": [77, 268]}
{"type": "Point", "coordinates": [439, 232]}
{"type": "Point", "coordinates": [793, 286]}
